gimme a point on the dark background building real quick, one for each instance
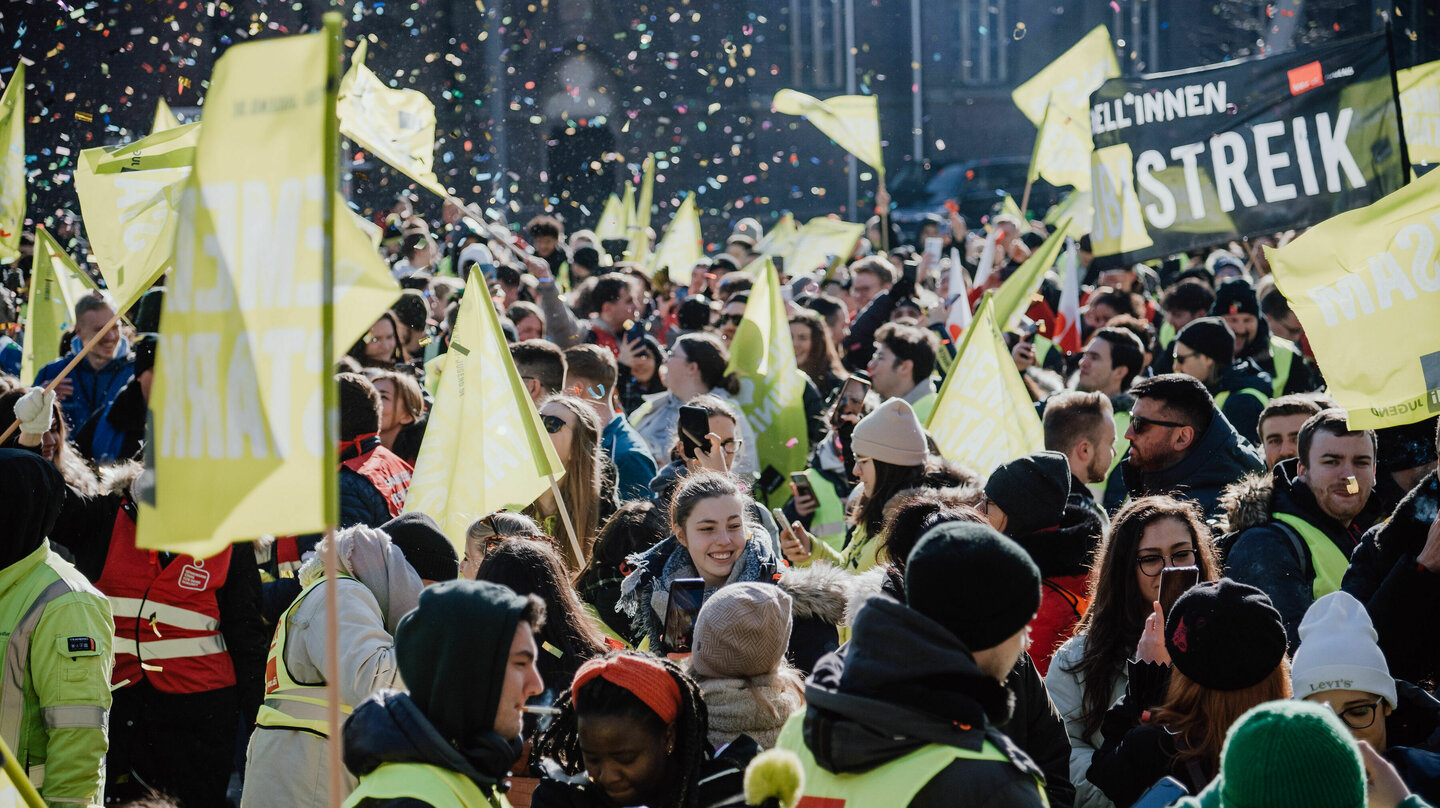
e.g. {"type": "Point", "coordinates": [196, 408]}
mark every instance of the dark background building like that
{"type": "Point", "coordinates": [552, 104]}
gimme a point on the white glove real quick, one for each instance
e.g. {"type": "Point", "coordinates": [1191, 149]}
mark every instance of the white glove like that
{"type": "Point", "coordinates": [34, 410]}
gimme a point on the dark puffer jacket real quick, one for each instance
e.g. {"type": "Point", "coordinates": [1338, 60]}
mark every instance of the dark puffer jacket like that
{"type": "Point", "coordinates": [1242, 409]}
{"type": "Point", "coordinates": [902, 683]}
{"type": "Point", "coordinates": [1218, 458]}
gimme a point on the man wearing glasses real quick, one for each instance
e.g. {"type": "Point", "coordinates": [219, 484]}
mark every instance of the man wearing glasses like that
{"type": "Point", "coordinates": [1181, 445]}
{"type": "Point", "coordinates": [1339, 665]}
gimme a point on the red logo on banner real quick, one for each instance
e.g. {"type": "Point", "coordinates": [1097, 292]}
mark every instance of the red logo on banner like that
{"type": "Point", "coordinates": [1305, 77]}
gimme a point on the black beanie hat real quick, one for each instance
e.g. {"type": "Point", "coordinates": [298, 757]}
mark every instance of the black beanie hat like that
{"type": "Point", "coordinates": [1235, 296]}
{"type": "Point", "coordinates": [411, 309]}
{"type": "Point", "coordinates": [973, 581]}
{"type": "Point", "coordinates": [452, 651]}
{"type": "Point", "coordinates": [424, 545]}
{"type": "Point", "coordinates": [1031, 490]}
{"type": "Point", "coordinates": [1405, 447]}
{"type": "Point", "coordinates": [1225, 635]}
{"type": "Point", "coordinates": [1211, 337]}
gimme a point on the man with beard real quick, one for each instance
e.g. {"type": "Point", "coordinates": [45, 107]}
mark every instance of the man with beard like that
{"type": "Point", "coordinates": [1081, 426]}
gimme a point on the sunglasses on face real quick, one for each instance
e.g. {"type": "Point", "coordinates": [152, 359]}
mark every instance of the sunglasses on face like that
{"type": "Point", "coordinates": [1140, 423]}
{"type": "Point", "coordinates": [553, 423]}
{"type": "Point", "coordinates": [732, 319]}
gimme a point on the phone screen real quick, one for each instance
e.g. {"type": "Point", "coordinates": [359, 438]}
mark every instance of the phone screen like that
{"type": "Point", "coordinates": [933, 245]}
{"type": "Point", "coordinates": [1174, 582]}
{"type": "Point", "coordinates": [1165, 792]}
{"type": "Point", "coordinates": [694, 426]}
{"type": "Point", "coordinates": [686, 596]}
{"type": "Point", "coordinates": [852, 395]}
{"type": "Point", "coordinates": [802, 483]}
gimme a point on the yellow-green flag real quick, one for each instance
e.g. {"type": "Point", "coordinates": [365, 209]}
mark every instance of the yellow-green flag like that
{"type": "Point", "coordinates": [1076, 205]}
{"type": "Point", "coordinates": [852, 121]}
{"type": "Point", "coordinates": [778, 238]}
{"type": "Point", "coordinates": [639, 239]}
{"type": "Point", "coordinates": [397, 126]}
{"type": "Point", "coordinates": [984, 416]}
{"type": "Point", "coordinates": [130, 198]}
{"type": "Point", "coordinates": [819, 242]}
{"type": "Point", "coordinates": [1071, 78]}
{"type": "Point", "coordinates": [164, 118]}
{"type": "Point", "coordinates": [1008, 207]}
{"type": "Point", "coordinates": [1013, 296]}
{"type": "Point", "coordinates": [1419, 88]}
{"type": "Point", "coordinates": [56, 285]}
{"type": "Point", "coordinates": [772, 391]}
{"type": "Point", "coordinates": [1366, 286]}
{"type": "Point", "coordinates": [614, 220]}
{"type": "Point", "coordinates": [1062, 148]}
{"type": "Point", "coordinates": [485, 447]}
{"type": "Point", "coordinates": [682, 245]}
{"type": "Point", "coordinates": [12, 164]}
{"type": "Point", "coordinates": [237, 436]}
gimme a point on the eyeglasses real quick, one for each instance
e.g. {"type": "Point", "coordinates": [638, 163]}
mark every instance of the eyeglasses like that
{"type": "Point", "coordinates": [1360, 716]}
{"type": "Point", "coordinates": [1181, 357]}
{"type": "Point", "coordinates": [1140, 423]}
{"type": "Point", "coordinates": [731, 446]}
{"type": "Point", "coordinates": [1154, 564]}
{"type": "Point", "coordinates": [553, 423]}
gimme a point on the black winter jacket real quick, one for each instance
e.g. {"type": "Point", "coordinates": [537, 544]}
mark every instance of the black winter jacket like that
{"type": "Point", "coordinates": [1242, 410]}
{"type": "Point", "coordinates": [1135, 755]}
{"type": "Point", "coordinates": [1400, 594]}
{"type": "Point", "coordinates": [1218, 458]}
{"type": "Point", "coordinates": [902, 683]}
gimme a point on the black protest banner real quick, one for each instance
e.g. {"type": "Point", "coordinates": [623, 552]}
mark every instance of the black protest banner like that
{"type": "Point", "coordinates": [1198, 157]}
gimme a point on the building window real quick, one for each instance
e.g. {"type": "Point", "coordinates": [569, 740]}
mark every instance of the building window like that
{"type": "Point", "coordinates": [817, 44]}
{"type": "Point", "coordinates": [984, 36]}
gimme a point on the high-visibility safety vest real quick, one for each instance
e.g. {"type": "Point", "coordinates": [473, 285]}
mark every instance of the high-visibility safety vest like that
{"type": "Point", "coordinates": [167, 620]}
{"type": "Point", "coordinates": [1224, 396]}
{"type": "Point", "coordinates": [1327, 560]}
{"type": "Point", "coordinates": [828, 522]}
{"type": "Point", "coordinates": [925, 406]}
{"type": "Point", "coordinates": [1282, 354]}
{"type": "Point", "coordinates": [387, 472]}
{"type": "Point", "coordinates": [890, 784]}
{"type": "Point", "coordinates": [288, 704]}
{"type": "Point", "coordinates": [431, 785]}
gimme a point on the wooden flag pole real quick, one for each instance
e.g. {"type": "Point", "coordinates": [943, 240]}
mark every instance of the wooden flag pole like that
{"type": "Point", "coordinates": [333, 28]}
{"type": "Point", "coordinates": [1025, 199]}
{"type": "Point", "coordinates": [69, 366]}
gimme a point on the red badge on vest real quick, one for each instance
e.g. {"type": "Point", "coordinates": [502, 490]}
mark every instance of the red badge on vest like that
{"type": "Point", "coordinates": [194, 577]}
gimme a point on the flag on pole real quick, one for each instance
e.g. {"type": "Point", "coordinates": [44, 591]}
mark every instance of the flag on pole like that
{"type": "Point", "coordinates": [1077, 205]}
{"type": "Point", "coordinates": [772, 391]}
{"type": "Point", "coordinates": [682, 245]}
{"type": "Point", "coordinates": [1008, 207]}
{"type": "Point", "coordinates": [165, 120]}
{"type": "Point", "coordinates": [1013, 297]}
{"type": "Point", "coordinates": [397, 126]}
{"type": "Point", "coordinates": [236, 423]}
{"type": "Point", "coordinates": [1067, 320]}
{"type": "Point", "coordinates": [1366, 287]}
{"type": "Point", "coordinates": [852, 121]}
{"type": "Point", "coordinates": [639, 247]}
{"type": "Point", "coordinates": [815, 245]}
{"type": "Point", "coordinates": [614, 220]}
{"type": "Point", "coordinates": [1071, 78]}
{"type": "Point", "coordinates": [983, 416]}
{"type": "Point", "coordinates": [959, 318]}
{"type": "Point", "coordinates": [12, 164]}
{"type": "Point", "coordinates": [130, 199]}
{"type": "Point", "coordinates": [1419, 97]}
{"type": "Point", "coordinates": [485, 447]}
{"type": "Point", "coordinates": [778, 239]}
{"type": "Point", "coordinates": [1062, 148]}
{"type": "Point", "coordinates": [986, 266]}
{"type": "Point", "coordinates": [56, 285]}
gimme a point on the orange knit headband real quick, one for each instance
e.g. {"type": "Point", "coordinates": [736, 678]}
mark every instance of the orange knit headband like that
{"type": "Point", "coordinates": [650, 681]}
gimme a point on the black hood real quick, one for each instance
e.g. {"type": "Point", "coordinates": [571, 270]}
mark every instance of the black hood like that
{"type": "Point", "coordinates": [1244, 374]}
{"type": "Point", "coordinates": [1220, 457]}
{"type": "Point", "coordinates": [902, 682]}
{"type": "Point", "coordinates": [33, 492]}
{"type": "Point", "coordinates": [389, 728]}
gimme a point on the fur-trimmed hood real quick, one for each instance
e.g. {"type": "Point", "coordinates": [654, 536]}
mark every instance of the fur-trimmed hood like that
{"type": "Point", "coordinates": [863, 587]}
{"type": "Point", "coordinates": [1248, 502]}
{"type": "Point", "coordinates": [820, 590]}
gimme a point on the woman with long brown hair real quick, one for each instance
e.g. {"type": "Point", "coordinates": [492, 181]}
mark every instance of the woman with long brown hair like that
{"type": "Point", "coordinates": [381, 346]}
{"type": "Point", "coordinates": [815, 352]}
{"type": "Point", "coordinates": [575, 430]}
{"type": "Point", "coordinates": [1220, 652]}
{"type": "Point", "coordinates": [1088, 674]}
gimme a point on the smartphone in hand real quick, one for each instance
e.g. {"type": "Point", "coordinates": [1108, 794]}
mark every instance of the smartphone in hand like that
{"type": "Point", "coordinates": [686, 597]}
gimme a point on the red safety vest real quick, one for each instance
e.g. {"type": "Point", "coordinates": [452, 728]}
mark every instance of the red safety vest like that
{"type": "Point", "coordinates": [387, 471]}
{"type": "Point", "coordinates": [167, 622]}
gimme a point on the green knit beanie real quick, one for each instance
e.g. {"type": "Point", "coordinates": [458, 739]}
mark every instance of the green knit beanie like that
{"type": "Point", "coordinates": [1289, 753]}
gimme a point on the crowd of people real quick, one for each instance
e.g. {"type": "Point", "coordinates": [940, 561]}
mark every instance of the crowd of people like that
{"type": "Point", "coordinates": [903, 629]}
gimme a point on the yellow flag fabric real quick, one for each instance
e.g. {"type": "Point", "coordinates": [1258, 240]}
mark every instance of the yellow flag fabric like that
{"type": "Point", "coordinates": [13, 188]}
{"type": "Point", "coordinates": [1076, 205]}
{"type": "Point", "coordinates": [485, 448]}
{"type": "Point", "coordinates": [1069, 80]}
{"type": "Point", "coordinates": [1062, 148]}
{"type": "Point", "coordinates": [682, 245]}
{"type": "Point", "coordinates": [772, 391]}
{"type": "Point", "coordinates": [1419, 88]}
{"type": "Point", "coordinates": [1009, 207]}
{"type": "Point", "coordinates": [614, 220]}
{"type": "Point", "coordinates": [56, 285]}
{"type": "Point", "coordinates": [1013, 296]}
{"type": "Point", "coordinates": [777, 239]}
{"type": "Point", "coordinates": [815, 245]}
{"type": "Point", "coordinates": [397, 126]}
{"type": "Point", "coordinates": [984, 416]}
{"type": "Point", "coordinates": [1366, 287]}
{"type": "Point", "coordinates": [639, 247]}
{"type": "Point", "coordinates": [237, 405]}
{"type": "Point", "coordinates": [852, 121]}
{"type": "Point", "coordinates": [165, 120]}
{"type": "Point", "coordinates": [130, 198]}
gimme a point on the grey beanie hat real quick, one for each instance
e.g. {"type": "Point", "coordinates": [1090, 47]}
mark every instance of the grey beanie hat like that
{"type": "Point", "coordinates": [743, 630]}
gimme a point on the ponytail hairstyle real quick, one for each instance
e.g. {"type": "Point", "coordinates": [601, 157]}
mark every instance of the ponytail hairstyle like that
{"type": "Point", "coordinates": [599, 696]}
{"type": "Point", "coordinates": [711, 357]}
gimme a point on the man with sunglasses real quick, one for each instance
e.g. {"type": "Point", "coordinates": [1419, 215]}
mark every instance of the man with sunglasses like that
{"type": "Point", "coordinates": [1180, 444]}
{"type": "Point", "coordinates": [1339, 665]}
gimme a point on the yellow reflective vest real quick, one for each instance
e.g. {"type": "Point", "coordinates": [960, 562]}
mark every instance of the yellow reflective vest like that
{"type": "Point", "coordinates": [433, 785]}
{"type": "Point", "coordinates": [1327, 560]}
{"type": "Point", "coordinates": [289, 704]}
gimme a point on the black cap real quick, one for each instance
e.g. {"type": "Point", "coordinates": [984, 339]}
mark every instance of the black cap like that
{"type": "Point", "coordinates": [1211, 337]}
{"type": "Point", "coordinates": [1031, 490]}
{"type": "Point", "coordinates": [412, 310]}
{"type": "Point", "coordinates": [587, 257]}
{"type": "Point", "coordinates": [1235, 296]}
{"type": "Point", "coordinates": [1225, 635]}
{"type": "Point", "coordinates": [973, 581]}
{"type": "Point", "coordinates": [424, 545]}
